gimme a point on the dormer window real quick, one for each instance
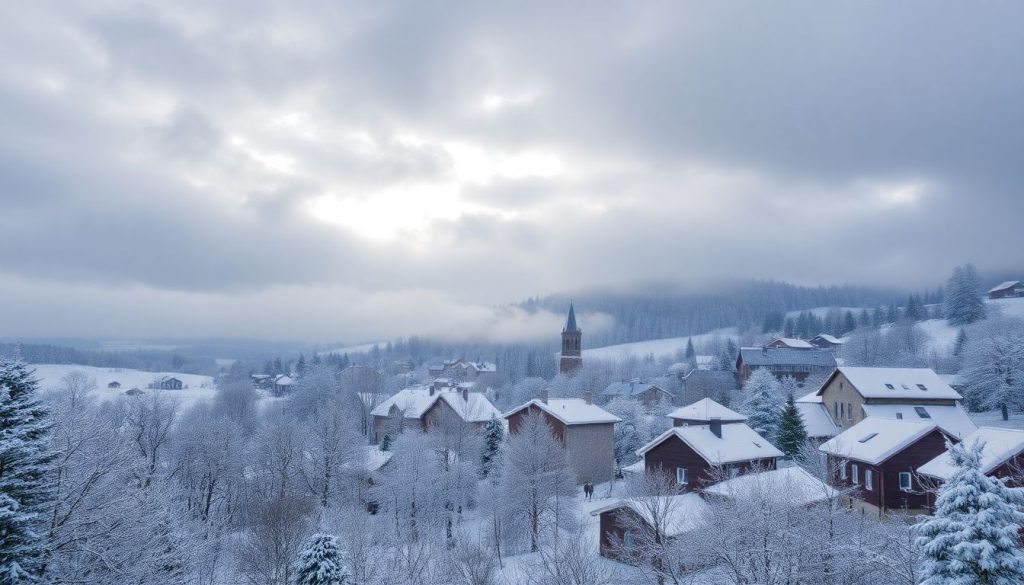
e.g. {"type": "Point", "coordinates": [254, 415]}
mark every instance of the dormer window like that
{"type": "Point", "coordinates": [890, 386]}
{"type": "Point", "coordinates": [922, 387]}
{"type": "Point", "coordinates": [921, 412]}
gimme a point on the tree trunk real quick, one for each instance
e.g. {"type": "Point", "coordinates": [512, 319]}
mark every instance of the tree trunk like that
{"type": "Point", "coordinates": [1002, 408]}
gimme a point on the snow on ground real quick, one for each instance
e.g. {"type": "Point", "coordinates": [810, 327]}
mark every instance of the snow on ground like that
{"type": "Point", "coordinates": [942, 336]}
{"type": "Point", "coordinates": [198, 387]}
{"type": "Point", "coordinates": [822, 311]}
{"type": "Point", "coordinates": [667, 347]}
{"type": "Point", "coordinates": [354, 349]}
{"type": "Point", "coordinates": [993, 418]}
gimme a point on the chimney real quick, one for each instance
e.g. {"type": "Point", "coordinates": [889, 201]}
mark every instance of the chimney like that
{"type": "Point", "coordinates": [544, 396]}
{"type": "Point", "coordinates": [716, 426]}
{"type": "Point", "coordinates": [588, 397]}
{"type": "Point", "coordinates": [465, 394]}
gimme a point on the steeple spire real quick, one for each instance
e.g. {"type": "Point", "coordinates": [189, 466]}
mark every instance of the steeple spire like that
{"type": "Point", "coordinates": [570, 322]}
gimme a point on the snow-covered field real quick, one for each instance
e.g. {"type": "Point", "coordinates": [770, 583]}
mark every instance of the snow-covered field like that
{"type": "Point", "coordinates": [198, 387]}
{"type": "Point", "coordinates": [353, 349]}
{"type": "Point", "coordinates": [993, 418]}
{"type": "Point", "coordinates": [942, 336]}
{"type": "Point", "coordinates": [658, 347]}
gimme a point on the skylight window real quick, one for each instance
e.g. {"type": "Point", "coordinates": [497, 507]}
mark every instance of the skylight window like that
{"type": "Point", "coordinates": [922, 387]}
{"type": "Point", "coordinates": [921, 412]}
{"type": "Point", "coordinates": [868, 438]}
{"type": "Point", "coordinates": [890, 386]}
{"type": "Point", "coordinates": [905, 387]}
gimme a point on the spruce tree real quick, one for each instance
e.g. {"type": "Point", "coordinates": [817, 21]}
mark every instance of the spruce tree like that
{"type": "Point", "coordinates": [761, 403]}
{"type": "Point", "coordinates": [973, 537]}
{"type": "Point", "coordinates": [321, 563]}
{"type": "Point", "coordinates": [691, 354]}
{"type": "Point", "coordinates": [494, 433]}
{"type": "Point", "coordinates": [26, 463]}
{"type": "Point", "coordinates": [792, 434]}
{"type": "Point", "coordinates": [963, 296]}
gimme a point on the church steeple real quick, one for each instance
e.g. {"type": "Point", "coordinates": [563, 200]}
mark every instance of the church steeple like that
{"type": "Point", "coordinates": [572, 340]}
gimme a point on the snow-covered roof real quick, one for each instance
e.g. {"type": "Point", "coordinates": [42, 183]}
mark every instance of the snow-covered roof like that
{"type": "Point", "coordinates": [999, 446]}
{"type": "Point", "coordinates": [792, 342]}
{"type": "Point", "coordinates": [916, 383]}
{"type": "Point", "coordinates": [875, 440]}
{"type": "Point", "coordinates": [952, 419]}
{"type": "Point", "coordinates": [283, 380]}
{"type": "Point", "coordinates": [737, 443]}
{"type": "Point", "coordinates": [787, 356]}
{"type": "Point", "coordinates": [792, 485]}
{"type": "Point", "coordinates": [809, 397]}
{"type": "Point", "coordinates": [570, 411]}
{"type": "Point", "coordinates": [415, 402]}
{"type": "Point", "coordinates": [483, 366]}
{"type": "Point", "coordinates": [369, 459]}
{"type": "Point", "coordinates": [630, 388]}
{"type": "Point", "coordinates": [817, 420]}
{"type": "Point", "coordinates": [829, 338]}
{"type": "Point", "coordinates": [1005, 285]}
{"type": "Point", "coordinates": [682, 513]}
{"type": "Point", "coordinates": [707, 410]}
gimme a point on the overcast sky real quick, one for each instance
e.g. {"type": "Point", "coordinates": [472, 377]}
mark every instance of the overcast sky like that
{"type": "Point", "coordinates": [355, 171]}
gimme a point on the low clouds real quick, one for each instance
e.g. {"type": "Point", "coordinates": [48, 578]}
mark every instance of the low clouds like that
{"type": "Point", "coordinates": [248, 168]}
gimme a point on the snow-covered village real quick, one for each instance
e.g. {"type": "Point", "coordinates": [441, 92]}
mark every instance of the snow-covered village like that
{"type": "Point", "coordinates": [403, 293]}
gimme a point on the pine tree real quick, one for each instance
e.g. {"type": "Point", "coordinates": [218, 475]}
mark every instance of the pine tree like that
{"type": "Point", "coordinates": [26, 459]}
{"type": "Point", "coordinates": [691, 353]}
{"type": "Point", "coordinates": [321, 563]}
{"type": "Point", "coordinates": [385, 442]}
{"type": "Point", "coordinates": [849, 322]}
{"type": "Point", "coordinates": [494, 434]}
{"type": "Point", "coordinates": [792, 434]}
{"type": "Point", "coordinates": [300, 366]}
{"type": "Point", "coordinates": [963, 296]}
{"type": "Point", "coordinates": [762, 404]}
{"type": "Point", "coordinates": [973, 537]}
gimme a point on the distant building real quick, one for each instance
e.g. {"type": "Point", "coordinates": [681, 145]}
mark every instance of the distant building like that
{"type": "Point", "coordinates": [584, 429]}
{"type": "Point", "coordinates": [166, 383]}
{"type": "Point", "coordinates": [618, 520]}
{"type": "Point", "coordinates": [571, 358]}
{"type": "Point", "coordinates": [826, 341]}
{"type": "Point", "coordinates": [262, 381]}
{"type": "Point", "coordinates": [784, 361]}
{"type": "Point", "coordinates": [114, 384]}
{"type": "Point", "coordinates": [851, 395]}
{"type": "Point", "coordinates": [645, 392]}
{"type": "Point", "coordinates": [461, 370]}
{"type": "Point", "coordinates": [703, 412]}
{"type": "Point", "coordinates": [282, 384]}
{"type": "Point", "coordinates": [700, 383]}
{"type": "Point", "coordinates": [880, 457]}
{"type": "Point", "coordinates": [789, 342]}
{"type": "Point", "coordinates": [133, 392]}
{"type": "Point", "coordinates": [1008, 289]}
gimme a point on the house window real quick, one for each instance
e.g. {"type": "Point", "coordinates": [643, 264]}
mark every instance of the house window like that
{"type": "Point", "coordinates": [835, 410]}
{"type": "Point", "coordinates": [842, 410]}
{"type": "Point", "coordinates": [905, 480]}
{"type": "Point", "coordinates": [890, 386]}
{"type": "Point", "coordinates": [922, 387]}
{"type": "Point", "coordinates": [628, 539]}
{"type": "Point", "coordinates": [681, 476]}
{"type": "Point", "coordinates": [921, 412]}
{"type": "Point", "coordinates": [856, 474]}
{"type": "Point", "coordinates": [849, 411]}
{"type": "Point", "coordinates": [899, 416]}
{"type": "Point", "coordinates": [868, 477]}
{"type": "Point", "coordinates": [842, 470]}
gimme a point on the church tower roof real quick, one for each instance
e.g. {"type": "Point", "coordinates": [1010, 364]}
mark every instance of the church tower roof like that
{"type": "Point", "coordinates": [570, 321]}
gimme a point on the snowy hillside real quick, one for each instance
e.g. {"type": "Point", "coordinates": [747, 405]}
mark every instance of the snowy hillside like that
{"type": "Point", "coordinates": [942, 336]}
{"type": "Point", "coordinates": [658, 347]}
{"type": "Point", "coordinates": [354, 349]}
{"type": "Point", "coordinates": [197, 387]}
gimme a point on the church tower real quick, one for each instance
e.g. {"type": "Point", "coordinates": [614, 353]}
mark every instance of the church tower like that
{"type": "Point", "coordinates": [572, 338]}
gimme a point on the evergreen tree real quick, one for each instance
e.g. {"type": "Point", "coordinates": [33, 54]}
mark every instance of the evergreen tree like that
{"type": "Point", "coordinates": [961, 341]}
{"type": "Point", "coordinates": [385, 442]}
{"type": "Point", "coordinates": [849, 323]}
{"type": "Point", "coordinates": [963, 296]}
{"type": "Point", "coordinates": [300, 366]}
{"type": "Point", "coordinates": [494, 433]}
{"type": "Point", "coordinates": [691, 353]}
{"type": "Point", "coordinates": [973, 537]}
{"type": "Point", "coordinates": [792, 434]}
{"type": "Point", "coordinates": [26, 460]}
{"type": "Point", "coordinates": [789, 328]}
{"type": "Point", "coordinates": [877, 317]}
{"type": "Point", "coordinates": [761, 403]}
{"type": "Point", "coordinates": [865, 318]}
{"type": "Point", "coordinates": [321, 563]}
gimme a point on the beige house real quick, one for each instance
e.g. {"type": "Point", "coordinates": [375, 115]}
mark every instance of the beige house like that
{"type": "Point", "coordinates": [850, 395]}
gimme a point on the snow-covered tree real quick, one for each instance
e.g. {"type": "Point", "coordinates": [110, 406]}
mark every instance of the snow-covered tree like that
{"type": "Point", "coordinates": [321, 563]}
{"type": "Point", "coordinates": [26, 466]}
{"type": "Point", "coordinates": [963, 296]}
{"type": "Point", "coordinates": [792, 434]}
{"type": "Point", "coordinates": [993, 367]}
{"type": "Point", "coordinates": [974, 535]}
{"type": "Point", "coordinates": [494, 434]}
{"type": "Point", "coordinates": [691, 354]}
{"type": "Point", "coordinates": [762, 403]}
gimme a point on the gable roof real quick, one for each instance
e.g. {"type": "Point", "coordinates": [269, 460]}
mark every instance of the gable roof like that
{"type": "Point", "coordinates": [817, 421]}
{"type": "Point", "coordinates": [828, 338]}
{"type": "Point", "coordinates": [950, 418]}
{"type": "Point", "coordinates": [875, 440]}
{"type": "Point", "coordinates": [415, 402]}
{"type": "Point", "coordinates": [706, 410]}
{"type": "Point", "coordinates": [785, 356]}
{"type": "Point", "coordinates": [737, 443]}
{"type": "Point", "coordinates": [896, 383]}
{"type": "Point", "coordinates": [570, 411]}
{"type": "Point", "coordinates": [683, 512]}
{"type": "Point", "coordinates": [631, 388]}
{"type": "Point", "coordinates": [1000, 445]}
{"type": "Point", "coordinates": [791, 485]}
{"type": "Point", "coordinates": [1006, 285]}
{"type": "Point", "coordinates": [792, 342]}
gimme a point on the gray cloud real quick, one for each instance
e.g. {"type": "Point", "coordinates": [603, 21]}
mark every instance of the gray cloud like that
{"type": "Point", "coordinates": [471, 156]}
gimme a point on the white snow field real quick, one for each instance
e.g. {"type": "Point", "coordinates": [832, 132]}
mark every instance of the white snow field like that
{"type": "Point", "coordinates": [198, 387]}
{"type": "Point", "coordinates": [353, 349]}
{"type": "Point", "coordinates": [666, 347]}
